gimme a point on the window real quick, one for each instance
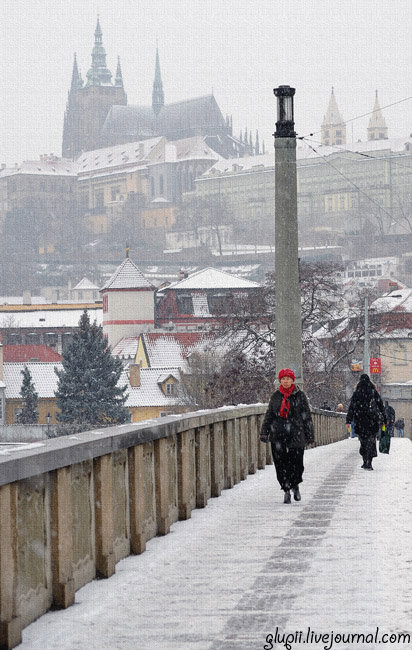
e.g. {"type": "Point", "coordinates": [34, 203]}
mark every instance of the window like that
{"type": "Point", "coordinates": [217, 303]}
{"type": "Point", "coordinates": [99, 199]}
{"type": "Point", "coordinates": [184, 304]}
{"type": "Point", "coordinates": [170, 388]}
{"type": "Point", "coordinates": [161, 185]}
{"type": "Point", "coordinates": [16, 414]}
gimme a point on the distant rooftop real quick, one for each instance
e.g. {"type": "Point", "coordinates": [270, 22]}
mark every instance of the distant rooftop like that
{"type": "Point", "coordinates": [127, 276]}
{"type": "Point", "coordinates": [211, 278]}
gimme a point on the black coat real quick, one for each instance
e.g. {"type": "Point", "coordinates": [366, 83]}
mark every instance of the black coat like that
{"type": "Point", "coordinates": [366, 409]}
{"type": "Point", "coordinates": [297, 429]}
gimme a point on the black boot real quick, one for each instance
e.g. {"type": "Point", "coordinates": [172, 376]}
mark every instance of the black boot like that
{"type": "Point", "coordinates": [286, 498]}
{"type": "Point", "coordinates": [368, 465]}
{"type": "Point", "coordinates": [296, 493]}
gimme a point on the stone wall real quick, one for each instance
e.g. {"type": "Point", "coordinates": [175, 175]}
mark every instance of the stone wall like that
{"type": "Point", "coordinates": [73, 506]}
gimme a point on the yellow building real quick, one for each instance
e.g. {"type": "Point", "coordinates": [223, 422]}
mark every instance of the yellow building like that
{"type": "Point", "coordinates": [110, 178]}
{"type": "Point", "coordinates": [44, 379]}
{"type": "Point", "coordinates": [152, 392]}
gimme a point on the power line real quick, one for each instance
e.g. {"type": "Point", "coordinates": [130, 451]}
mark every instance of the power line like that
{"type": "Point", "coordinates": [358, 117]}
{"type": "Point", "coordinates": [393, 157]}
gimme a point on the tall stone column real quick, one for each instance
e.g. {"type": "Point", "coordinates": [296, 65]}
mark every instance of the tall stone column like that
{"type": "Point", "coordinates": [287, 287]}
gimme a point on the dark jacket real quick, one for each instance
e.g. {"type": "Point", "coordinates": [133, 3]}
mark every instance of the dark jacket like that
{"type": "Point", "coordinates": [297, 429]}
{"type": "Point", "coordinates": [366, 409]}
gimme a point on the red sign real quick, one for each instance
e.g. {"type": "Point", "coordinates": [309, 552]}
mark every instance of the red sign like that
{"type": "Point", "coordinates": [375, 366]}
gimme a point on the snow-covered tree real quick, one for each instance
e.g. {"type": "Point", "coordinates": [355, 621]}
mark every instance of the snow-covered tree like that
{"type": "Point", "coordinates": [87, 391]}
{"type": "Point", "coordinates": [29, 413]}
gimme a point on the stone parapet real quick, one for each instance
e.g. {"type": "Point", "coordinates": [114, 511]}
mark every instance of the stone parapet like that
{"type": "Point", "coordinates": [72, 507]}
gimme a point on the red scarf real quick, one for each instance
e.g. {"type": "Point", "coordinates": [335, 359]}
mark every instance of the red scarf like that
{"type": "Point", "coordinates": [285, 406]}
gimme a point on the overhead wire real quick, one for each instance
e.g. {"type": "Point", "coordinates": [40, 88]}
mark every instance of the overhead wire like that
{"type": "Point", "coordinates": [358, 117]}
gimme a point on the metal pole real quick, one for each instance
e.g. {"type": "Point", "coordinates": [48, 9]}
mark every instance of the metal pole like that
{"type": "Point", "coordinates": [287, 287]}
{"type": "Point", "coordinates": [366, 354]}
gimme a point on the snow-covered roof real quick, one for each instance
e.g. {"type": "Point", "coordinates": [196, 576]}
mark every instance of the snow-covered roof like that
{"type": "Point", "coordinates": [149, 393]}
{"type": "Point", "coordinates": [85, 283]}
{"type": "Point", "coordinates": [170, 350]}
{"type": "Point", "coordinates": [126, 348]}
{"type": "Point", "coordinates": [45, 319]}
{"type": "Point", "coordinates": [118, 156]}
{"type": "Point", "coordinates": [43, 376]}
{"type": "Point", "coordinates": [18, 300]}
{"type": "Point", "coordinates": [304, 152]}
{"type": "Point", "coordinates": [400, 299]}
{"type": "Point", "coordinates": [46, 167]}
{"type": "Point", "coordinates": [127, 276]}
{"type": "Point", "coordinates": [211, 278]}
{"type": "Point", "coordinates": [194, 148]}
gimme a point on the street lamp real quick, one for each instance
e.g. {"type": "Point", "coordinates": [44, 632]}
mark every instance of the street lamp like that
{"type": "Point", "coordinates": [288, 307]}
{"type": "Point", "coordinates": [48, 420]}
{"type": "Point", "coordinates": [285, 124]}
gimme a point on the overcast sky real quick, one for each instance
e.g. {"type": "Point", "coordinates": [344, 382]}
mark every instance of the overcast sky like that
{"type": "Point", "coordinates": [240, 49]}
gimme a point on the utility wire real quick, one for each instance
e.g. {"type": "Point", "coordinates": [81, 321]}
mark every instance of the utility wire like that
{"type": "Point", "coordinates": [358, 117]}
{"type": "Point", "coordinates": [392, 157]}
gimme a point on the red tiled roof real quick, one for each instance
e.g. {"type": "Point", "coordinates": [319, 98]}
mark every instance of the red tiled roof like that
{"type": "Point", "coordinates": [21, 353]}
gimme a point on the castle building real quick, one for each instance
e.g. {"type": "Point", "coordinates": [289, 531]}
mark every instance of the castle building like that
{"type": "Point", "coordinates": [333, 127]}
{"type": "Point", "coordinates": [128, 303]}
{"type": "Point", "coordinates": [89, 103]}
{"type": "Point", "coordinates": [97, 114]}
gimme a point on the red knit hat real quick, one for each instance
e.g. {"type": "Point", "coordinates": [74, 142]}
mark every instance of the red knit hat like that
{"type": "Point", "coordinates": [287, 372]}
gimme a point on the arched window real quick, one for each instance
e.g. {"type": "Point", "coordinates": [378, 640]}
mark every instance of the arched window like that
{"type": "Point", "coordinates": [161, 185]}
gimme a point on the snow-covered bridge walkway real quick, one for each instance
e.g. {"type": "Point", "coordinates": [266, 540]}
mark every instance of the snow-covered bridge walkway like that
{"type": "Point", "coordinates": [248, 565]}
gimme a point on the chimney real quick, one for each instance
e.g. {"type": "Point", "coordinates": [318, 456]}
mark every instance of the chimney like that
{"type": "Point", "coordinates": [134, 375]}
{"type": "Point", "coordinates": [27, 297]}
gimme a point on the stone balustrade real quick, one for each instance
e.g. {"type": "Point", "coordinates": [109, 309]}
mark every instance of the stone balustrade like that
{"type": "Point", "coordinates": [72, 507]}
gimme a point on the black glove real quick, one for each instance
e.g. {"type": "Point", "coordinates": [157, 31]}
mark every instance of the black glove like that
{"type": "Point", "coordinates": [264, 437]}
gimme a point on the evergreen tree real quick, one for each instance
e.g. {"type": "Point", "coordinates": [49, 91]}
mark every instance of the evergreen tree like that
{"type": "Point", "coordinates": [87, 391]}
{"type": "Point", "coordinates": [29, 413]}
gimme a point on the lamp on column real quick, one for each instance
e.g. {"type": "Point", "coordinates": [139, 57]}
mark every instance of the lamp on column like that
{"type": "Point", "coordinates": [285, 125]}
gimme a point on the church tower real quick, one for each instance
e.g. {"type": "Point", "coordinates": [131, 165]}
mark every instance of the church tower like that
{"type": "Point", "coordinates": [89, 104]}
{"type": "Point", "coordinates": [158, 98]}
{"type": "Point", "coordinates": [377, 129]}
{"type": "Point", "coordinates": [128, 303]}
{"type": "Point", "coordinates": [333, 128]}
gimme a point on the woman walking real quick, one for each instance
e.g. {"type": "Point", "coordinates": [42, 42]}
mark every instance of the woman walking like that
{"type": "Point", "coordinates": [288, 427]}
{"type": "Point", "coordinates": [366, 410]}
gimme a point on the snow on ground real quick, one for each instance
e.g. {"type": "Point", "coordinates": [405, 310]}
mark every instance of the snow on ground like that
{"type": "Point", "coordinates": [339, 560]}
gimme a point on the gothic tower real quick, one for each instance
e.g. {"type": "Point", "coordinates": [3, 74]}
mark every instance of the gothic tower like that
{"type": "Point", "coordinates": [377, 129]}
{"type": "Point", "coordinates": [333, 128]}
{"type": "Point", "coordinates": [89, 104]}
{"type": "Point", "coordinates": [158, 98]}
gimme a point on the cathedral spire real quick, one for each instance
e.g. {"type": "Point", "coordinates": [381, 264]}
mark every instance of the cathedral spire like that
{"type": "Point", "coordinates": [158, 98]}
{"type": "Point", "coordinates": [333, 127]}
{"type": "Point", "coordinates": [99, 74]}
{"type": "Point", "coordinates": [119, 78]}
{"type": "Point", "coordinates": [257, 151]}
{"type": "Point", "coordinates": [76, 78]}
{"type": "Point", "coordinates": [377, 129]}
